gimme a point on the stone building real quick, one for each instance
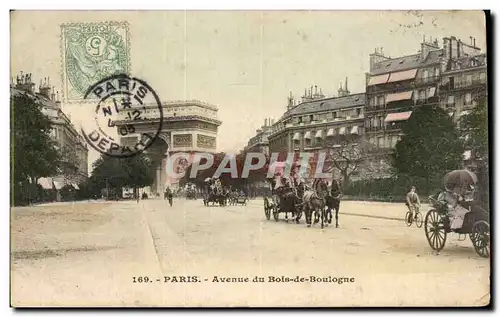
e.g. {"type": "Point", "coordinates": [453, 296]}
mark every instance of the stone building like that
{"type": "Point", "coordinates": [397, 86]}
{"type": "Point", "coordinates": [74, 169]}
{"type": "Point", "coordinates": [259, 143]}
{"type": "Point", "coordinates": [189, 126]}
{"type": "Point", "coordinates": [317, 123]}
{"type": "Point", "coordinates": [464, 81]}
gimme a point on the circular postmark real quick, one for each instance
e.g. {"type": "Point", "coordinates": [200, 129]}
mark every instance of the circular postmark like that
{"type": "Point", "coordinates": [128, 116]}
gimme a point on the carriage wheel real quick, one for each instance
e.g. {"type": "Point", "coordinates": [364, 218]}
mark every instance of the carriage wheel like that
{"type": "Point", "coordinates": [435, 230]}
{"type": "Point", "coordinates": [418, 219]}
{"type": "Point", "coordinates": [267, 208]}
{"type": "Point", "coordinates": [276, 213]}
{"type": "Point", "coordinates": [299, 215]}
{"type": "Point", "coordinates": [480, 237]}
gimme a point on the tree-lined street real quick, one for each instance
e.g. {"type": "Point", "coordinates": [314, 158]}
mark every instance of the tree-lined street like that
{"type": "Point", "coordinates": [88, 253]}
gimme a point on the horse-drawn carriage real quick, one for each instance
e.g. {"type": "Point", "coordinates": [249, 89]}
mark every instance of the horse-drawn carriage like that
{"type": "Point", "coordinates": [476, 222]}
{"type": "Point", "coordinates": [214, 193]}
{"type": "Point", "coordinates": [190, 191]}
{"type": "Point", "coordinates": [300, 197]}
{"type": "Point", "coordinates": [236, 198]}
{"type": "Point", "coordinates": [284, 198]}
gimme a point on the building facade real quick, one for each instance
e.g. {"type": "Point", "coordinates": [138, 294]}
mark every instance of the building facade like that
{"type": "Point", "coordinates": [74, 150]}
{"type": "Point", "coordinates": [397, 86]}
{"type": "Point", "coordinates": [464, 82]}
{"type": "Point", "coordinates": [259, 143]}
{"type": "Point", "coordinates": [188, 126]}
{"type": "Point", "coordinates": [318, 123]}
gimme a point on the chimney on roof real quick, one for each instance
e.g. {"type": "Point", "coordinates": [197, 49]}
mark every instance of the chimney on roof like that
{"type": "Point", "coordinates": [53, 95]}
{"type": "Point", "coordinates": [376, 58]}
{"type": "Point", "coordinates": [343, 91]}
{"type": "Point", "coordinates": [291, 102]}
{"type": "Point", "coordinates": [23, 82]}
{"type": "Point", "coordinates": [44, 88]}
{"type": "Point", "coordinates": [426, 47]}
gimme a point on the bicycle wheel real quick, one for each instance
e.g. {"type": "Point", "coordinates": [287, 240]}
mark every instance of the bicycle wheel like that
{"type": "Point", "coordinates": [408, 219]}
{"type": "Point", "coordinates": [418, 219]}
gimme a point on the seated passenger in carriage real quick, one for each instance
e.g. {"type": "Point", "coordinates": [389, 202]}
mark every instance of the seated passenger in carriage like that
{"type": "Point", "coordinates": [455, 210]}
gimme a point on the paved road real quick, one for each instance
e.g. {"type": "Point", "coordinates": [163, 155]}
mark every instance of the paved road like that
{"type": "Point", "coordinates": [89, 253]}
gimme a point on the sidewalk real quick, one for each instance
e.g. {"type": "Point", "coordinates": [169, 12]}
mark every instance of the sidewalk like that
{"type": "Point", "coordinates": [86, 255]}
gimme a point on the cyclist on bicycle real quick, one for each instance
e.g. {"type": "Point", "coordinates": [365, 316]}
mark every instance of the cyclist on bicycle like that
{"type": "Point", "coordinates": [412, 201]}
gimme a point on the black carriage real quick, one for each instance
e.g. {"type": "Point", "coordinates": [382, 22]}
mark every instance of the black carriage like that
{"type": "Point", "coordinates": [476, 223]}
{"type": "Point", "coordinates": [238, 199]}
{"type": "Point", "coordinates": [283, 199]}
{"type": "Point", "coordinates": [191, 194]}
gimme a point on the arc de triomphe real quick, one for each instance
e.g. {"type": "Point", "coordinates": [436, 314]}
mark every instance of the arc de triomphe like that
{"type": "Point", "coordinates": [188, 126]}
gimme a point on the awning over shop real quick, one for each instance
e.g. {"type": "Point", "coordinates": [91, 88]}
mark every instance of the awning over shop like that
{"type": "Point", "coordinates": [355, 130]}
{"type": "Point", "coordinates": [75, 186]}
{"type": "Point", "coordinates": [58, 185]}
{"type": "Point", "coordinates": [464, 113]}
{"type": "Point", "coordinates": [46, 183]}
{"type": "Point", "coordinates": [342, 131]}
{"type": "Point", "coordinates": [319, 134]}
{"type": "Point", "coordinates": [330, 133]}
{"type": "Point", "coordinates": [403, 75]}
{"type": "Point", "coordinates": [398, 116]}
{"type": "Point", "coordinates": [307, 136]}
{"type": "Point", "coordinates": [377, 80]}
{"type": "Point", "coordinates": [432, 92]}
{"type": "Point", "coordinates": [405, 95]}
{"type": "Point", "coordinates": [296, 136]}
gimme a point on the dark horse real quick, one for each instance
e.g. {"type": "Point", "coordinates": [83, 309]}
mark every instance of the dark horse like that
{"type": "Point", "coordinates": [333, 202]}
{"type": "Point", "coordinates": [315, 200]}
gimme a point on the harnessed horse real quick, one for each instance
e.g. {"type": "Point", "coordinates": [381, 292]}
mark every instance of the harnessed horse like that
{"type": "Point", "coordinates": [314, 199]}
{"type": "Point", "coordinates": [333, 202]}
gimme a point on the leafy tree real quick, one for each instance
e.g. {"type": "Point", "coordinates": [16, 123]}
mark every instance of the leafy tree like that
{"type": "Point", "coordinates": [34, 152]}
{"type": "Point", "coordinates": [429, 148]}
{"type": "Point", "coordinates": [116, 173]}
{"type": "Point", "coordinates": [474, 129]}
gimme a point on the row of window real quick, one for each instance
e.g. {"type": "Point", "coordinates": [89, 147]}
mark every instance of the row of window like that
{"type": "Point", "coordinates": [418, 94]}
{"type": "Point", "coordinates": [388, 141]}
{"type": "Point", "coordinates": [467, 99]}
{"type": "Point", "coordinates": [464, 80]}
{"type": "Point", "coordinates": [328, 116]}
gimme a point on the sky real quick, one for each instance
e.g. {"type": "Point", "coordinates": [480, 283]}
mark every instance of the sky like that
{"type": "Point", "coordinates": [244, 62]}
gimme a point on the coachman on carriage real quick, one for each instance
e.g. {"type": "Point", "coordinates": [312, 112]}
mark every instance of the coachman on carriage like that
{"type": "Point", "coordinates": [190, 191]}
{"type": "Point", "coordinates": [284, 197]}
{"type": "Point", "coordinates": [456, 210]}
{"type": "Point", "coordinates": [294, 195]}
{"type": "Point", "coordinates": [214, 192]}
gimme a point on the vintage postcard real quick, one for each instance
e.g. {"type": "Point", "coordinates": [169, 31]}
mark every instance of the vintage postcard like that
{"type": "Point", "coordinates": [249, 159]}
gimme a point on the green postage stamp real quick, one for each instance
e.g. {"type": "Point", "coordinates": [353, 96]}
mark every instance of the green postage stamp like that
{"type": "Point", "coordinates": [91, 52]}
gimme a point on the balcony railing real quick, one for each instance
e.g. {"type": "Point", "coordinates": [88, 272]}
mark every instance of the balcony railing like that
{"type": "Point", "coordinates": [463, 84]}
{"type": "Point", "coordinates": [427, 80]}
